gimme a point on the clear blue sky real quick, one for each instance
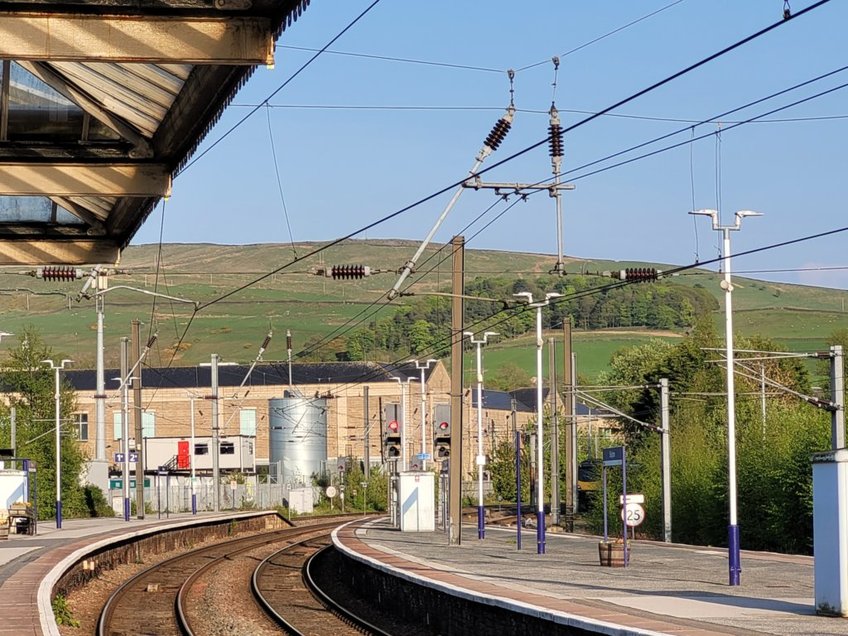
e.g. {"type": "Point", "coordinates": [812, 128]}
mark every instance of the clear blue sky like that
{"type": "Point", "coordinates": [418, 127]}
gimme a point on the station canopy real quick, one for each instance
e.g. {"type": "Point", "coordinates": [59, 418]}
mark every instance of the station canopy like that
{"type": "Point", "coordinates": [103, 101]}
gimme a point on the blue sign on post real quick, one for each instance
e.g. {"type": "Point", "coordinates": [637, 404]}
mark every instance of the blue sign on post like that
{"type": "Point", "coordinates": [613, 456]}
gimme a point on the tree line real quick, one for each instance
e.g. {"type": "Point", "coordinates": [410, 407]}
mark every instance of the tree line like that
{"type": "Point", "coordinates": [773, 448]}
{"type": "Point", "coordinates": [423, 327]}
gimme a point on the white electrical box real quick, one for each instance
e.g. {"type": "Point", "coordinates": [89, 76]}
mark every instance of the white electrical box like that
{"type": "Point", "coordinates": [417, 502]}
{"type": "Point", "coordinates": [830, 531]}
{"type": "Point", "coordinates": [13, 487]}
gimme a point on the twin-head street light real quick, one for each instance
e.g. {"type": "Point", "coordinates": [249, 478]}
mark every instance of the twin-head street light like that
{"type": "Point", "coordinates": [481, 458]}
{"type": "Point", "coordinates": [426, 452]}
{"type": "Point", "coordinates": [57, 396]}
{"type": "Point", "coordinates": [540, 484]}
{"type": "Point", "coordinates": [733, 558]}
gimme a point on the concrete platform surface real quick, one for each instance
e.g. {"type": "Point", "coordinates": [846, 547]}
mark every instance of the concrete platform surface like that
{"type": "Point", "coordinates": [668, 588]}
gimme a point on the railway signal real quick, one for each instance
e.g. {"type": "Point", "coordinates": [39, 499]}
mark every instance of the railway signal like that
{"type": "Point", "coordinates": [391, 431]}
{"type": "Point", "coordinates": [442, 431]}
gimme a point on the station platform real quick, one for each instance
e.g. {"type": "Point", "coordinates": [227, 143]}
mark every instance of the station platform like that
{"type": "Point", "coordinates": [666, 589]}
{"type": "Point", "coordinates": [29, 564]}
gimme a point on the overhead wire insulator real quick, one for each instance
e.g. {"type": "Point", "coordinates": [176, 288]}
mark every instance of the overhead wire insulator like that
{"type": "Point", "coordinates": [639, 274]}
{"type": "Point", "coordinates": [59, 273]}
{"type": "Point", "coordinates": [349, 272]}
{"type": "Point", "coordinates": [499, 132]}
{"type": "Point", "coordinates": [555, 142]}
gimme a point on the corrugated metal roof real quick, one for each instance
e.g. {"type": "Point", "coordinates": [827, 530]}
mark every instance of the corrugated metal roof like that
{"type": "Point", "coordinates": [92, 111]}
{"type": "Point", "coordinates": [273, 374]}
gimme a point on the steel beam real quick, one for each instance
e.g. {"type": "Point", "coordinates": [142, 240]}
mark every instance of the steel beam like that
{"type": "Point", "coordinates": [67, 179]}
{"type": "Point", "coordinates": [58, 252]}
{"type": "Point", "coordinates": [147, 39]}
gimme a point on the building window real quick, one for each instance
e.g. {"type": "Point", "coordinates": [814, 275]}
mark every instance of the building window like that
{"type": "Point", "coordinates": [117, 432]}
{"type": "Point", "coordinates": [201, 449]}
{"type": "Point", "coordinates": [148, 424]}
{"type": "Point", "coordinates": [228, 448]}
{"type": "Point", "coordinates": [81, 420]}
{"type": "Point", "coordinates": [247, 422]}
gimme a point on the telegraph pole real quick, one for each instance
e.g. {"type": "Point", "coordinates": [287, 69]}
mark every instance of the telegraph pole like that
{"type": "Point", "coordinates": [367, 424]}
{"type": "Point", "coordinates": [837, 392]}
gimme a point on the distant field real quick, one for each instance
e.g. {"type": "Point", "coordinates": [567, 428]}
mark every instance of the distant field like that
{"type": "Point", "coordinates": [592, 350]}
{"type": "Point", "coordinates": [797, 317]}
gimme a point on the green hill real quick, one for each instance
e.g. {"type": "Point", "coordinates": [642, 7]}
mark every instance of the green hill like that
{"type": "Point", "coordinates": [239, 300]}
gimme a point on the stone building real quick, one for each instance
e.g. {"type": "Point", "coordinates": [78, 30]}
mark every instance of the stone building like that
{"type": "Point", "coordinates": [170, 394]}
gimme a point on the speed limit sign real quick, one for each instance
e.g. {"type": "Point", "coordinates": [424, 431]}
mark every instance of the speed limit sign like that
{"type": "Point", "coordinates": [633, 514]}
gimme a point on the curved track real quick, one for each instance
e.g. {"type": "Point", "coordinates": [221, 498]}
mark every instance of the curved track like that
{"type": "Point", "coordinates": [284, 586]}
{"type": "Point", "coordinates": [152, 602]}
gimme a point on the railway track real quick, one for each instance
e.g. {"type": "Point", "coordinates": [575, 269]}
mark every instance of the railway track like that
{"type": "Point", "coordinates": [156, 601]}
{"type": "Point", "coordinates": [284, 585]}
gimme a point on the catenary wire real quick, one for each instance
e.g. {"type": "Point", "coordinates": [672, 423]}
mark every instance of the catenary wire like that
{"type": "Point", "coordinates": [520, 308]}
{"type": "Point", "coordinates": [527, 149]}
{"type": "Point", "coordinates": [279, 179]}
{"type": "Point", "coordinates": [602, 37]}
{"type": "Point", "coordinates": [291, 77]}
{"type": "Point", "coordinates": [584, 121]}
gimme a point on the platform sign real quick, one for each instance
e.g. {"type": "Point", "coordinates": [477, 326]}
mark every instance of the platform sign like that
{"type": "Point", "coordinates": [633, 514]}
{"type": "Point", "coordinates": [118, 484]}
{"type": "Point", "coordinates": [613, 456]}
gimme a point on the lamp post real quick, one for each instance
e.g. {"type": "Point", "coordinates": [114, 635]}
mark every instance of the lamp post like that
{"type": "Point", "coordinates": [57, 396]}
{"type": "Point", "coordinates": [733, 558]}
{"type": "Point", "coordinates": [423, 367]}
{"type": "Point", "coordinates": [481, 458]}
{"type": "Point", "coordinates": [540, 484]}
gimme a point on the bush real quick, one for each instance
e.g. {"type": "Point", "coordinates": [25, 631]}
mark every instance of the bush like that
{"type": "Point", "coordinates": [96, 503]}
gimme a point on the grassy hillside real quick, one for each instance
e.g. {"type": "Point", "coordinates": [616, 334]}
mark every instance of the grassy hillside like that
{"type": "Point", "coordinates": [234, 315]}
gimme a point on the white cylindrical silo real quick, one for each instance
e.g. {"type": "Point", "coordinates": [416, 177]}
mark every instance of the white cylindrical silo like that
{"type": "Point", "coordinates": [298, 438]}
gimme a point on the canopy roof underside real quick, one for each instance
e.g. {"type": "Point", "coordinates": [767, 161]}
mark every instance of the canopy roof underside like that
{"type": "Point", "coordinates": [103, 101]}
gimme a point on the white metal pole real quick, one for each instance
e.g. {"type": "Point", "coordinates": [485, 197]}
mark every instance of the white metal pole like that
{"type": "Point", "coordinates": [125, 426]}
{"type": "Point", "coordinates": [58, 405]}
{"type": "Point", "coordinates": [540, 484]}
{"type": "Point", "coordinates": [666, 461]}
{"type": "Point", "coordinates": [403, 426]}
{"type": "Point", "coordinates": [481, 459]}
{"type": "Point", "coordinates": [733, 528]}
{"type": "Point", "coordinates": [100, 397]}
{"type": "Point", "coordinates": [215, 432]}
{"type": "Point", "coordinates": [423, 417]}
{"type": "Point", "coordinates": [191, 460]}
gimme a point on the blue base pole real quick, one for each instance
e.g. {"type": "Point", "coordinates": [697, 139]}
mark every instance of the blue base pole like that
{"type": "Point", "coordinates": [733, 559]}
{"type": "Point", "coordinates": [193, 504]}
{"type": "Point", "coordinates": [481, 522]}
{"type": "Point", "coordinates": [58, 514]}
{"type": "Point", "coordinates": [126, 508]}
{"type": "Point", "coordinates": [540, 532]}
